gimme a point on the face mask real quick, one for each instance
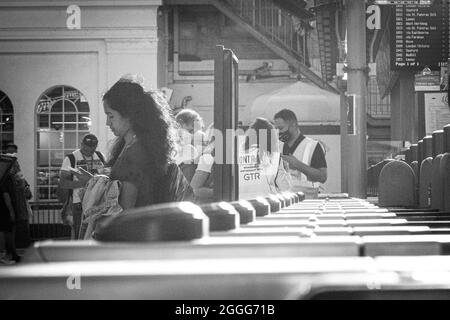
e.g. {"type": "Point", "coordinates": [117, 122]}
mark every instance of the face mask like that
{"type": "Point", "coordinates": [284, 136]}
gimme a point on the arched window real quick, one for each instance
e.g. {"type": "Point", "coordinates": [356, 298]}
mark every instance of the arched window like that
{"type": "Point", "coordinates": [6, 121]}
{"type": "Point", "coordinates": [62, 120]}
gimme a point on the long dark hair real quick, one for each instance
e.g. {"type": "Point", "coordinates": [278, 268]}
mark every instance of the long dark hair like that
{"type": "Point", "coordinates": [150, 119]}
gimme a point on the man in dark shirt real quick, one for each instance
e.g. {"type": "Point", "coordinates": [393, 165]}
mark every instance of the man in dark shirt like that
{"type": "Point", "coordinates": [305, 156]}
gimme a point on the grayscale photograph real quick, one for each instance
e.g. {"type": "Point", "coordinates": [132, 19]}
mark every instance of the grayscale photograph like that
{"type": "Point", "coordinates": [220, 156]}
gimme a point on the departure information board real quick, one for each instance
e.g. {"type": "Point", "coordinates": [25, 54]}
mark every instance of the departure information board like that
{"type": "Point", "coordinates": [420, 35]}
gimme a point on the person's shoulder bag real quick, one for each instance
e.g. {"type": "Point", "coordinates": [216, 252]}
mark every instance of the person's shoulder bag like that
{"type": "Point", "coordinates": [173, 186]}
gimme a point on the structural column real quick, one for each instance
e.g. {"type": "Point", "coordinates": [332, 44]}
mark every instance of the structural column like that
{"type": "Point", "coordinates": [404, 117]}
{"type": "Point", "coordinates": [357, 86]}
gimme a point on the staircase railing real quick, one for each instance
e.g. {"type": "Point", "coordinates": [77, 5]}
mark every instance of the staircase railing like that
{"type": "Point", "coordinates": [376, 107]}
{"type": "Point", "coordinates": [277, 25]}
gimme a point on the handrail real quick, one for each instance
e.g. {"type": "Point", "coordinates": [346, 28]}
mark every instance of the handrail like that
{"type": "Point", "coordinates": [46, 222]}
{"type": "Point", "coordinates": [276, 24]}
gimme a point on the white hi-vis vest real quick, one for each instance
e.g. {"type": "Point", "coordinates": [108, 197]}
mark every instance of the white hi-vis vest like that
{"type": "Point", "coordinates": [304, 153]}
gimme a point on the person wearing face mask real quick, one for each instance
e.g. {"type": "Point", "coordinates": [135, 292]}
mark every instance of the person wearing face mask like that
{"type": "Point", "coordinates": [304, 156]}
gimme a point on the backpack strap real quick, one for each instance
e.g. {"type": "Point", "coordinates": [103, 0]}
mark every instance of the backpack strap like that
{"type": "Point", "coordinates": [100, 156]}
{"type": "Point", "coordinates": [72, 159]}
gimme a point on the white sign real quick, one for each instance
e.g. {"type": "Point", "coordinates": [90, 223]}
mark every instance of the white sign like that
{"type": "Point", "coordinates": [167, 92]}
{"type": "Point", "coordinates": [427, 81]}
{"type": "Point", "coordinates": [257, 173]}
{"type": "Point", "coordinates": [73, 94]}
{"type": "Point", "coordinates": [437, 111]}
{"type": "Point", "coordinates": [351, 114]}
{"type": "Point", "coordinates": [340, 69]}
{"type": "Point", "coordinates": [44, 106]}
{"type": "Point", "coordinates": [372, 69]}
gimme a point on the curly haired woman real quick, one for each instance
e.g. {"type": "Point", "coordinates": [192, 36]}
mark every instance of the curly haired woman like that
{"type": "Point", "coordinates": [142, 154]}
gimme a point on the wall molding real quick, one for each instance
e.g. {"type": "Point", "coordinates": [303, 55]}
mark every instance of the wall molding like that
{"type": "Point", "coordinates": [88, 33]}
{"type": "Point", "coordinates": [128, 46]}
{"type": "Point", "coordinates": [81, 3]}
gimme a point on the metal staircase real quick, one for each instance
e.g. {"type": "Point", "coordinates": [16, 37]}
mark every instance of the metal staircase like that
{"type": "Point", "coordinates": [275, 28]}
{"type": "Point", "coordinates": [328, 46]}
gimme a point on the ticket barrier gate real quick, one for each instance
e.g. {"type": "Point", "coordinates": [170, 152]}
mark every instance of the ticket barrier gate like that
{"type": "Point", "coordinates": [305, 224]}
{"type": "Point", "coordinates": [346, 228]}
{"type": "Point", "coordinates": [231, 279]}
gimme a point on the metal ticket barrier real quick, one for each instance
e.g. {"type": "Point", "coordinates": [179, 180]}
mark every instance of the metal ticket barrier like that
{"type": "Point", "coordinates": [414, 278]}
{"type": "Point", "coordinates": [239, 278]}
{"type": "Point", "coordinates": [314, 228]}
{"type": "Point", "coordinates": [423, 179]}
{"type": "Point", "coordinates": [283, 253]}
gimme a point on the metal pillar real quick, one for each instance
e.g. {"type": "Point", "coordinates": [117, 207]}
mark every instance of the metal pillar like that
{"type": "Point", "coordinates": [357, 85]}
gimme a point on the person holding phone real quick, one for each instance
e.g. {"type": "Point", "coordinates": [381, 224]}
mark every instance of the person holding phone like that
{"type": "Point", "coordinates": [76, 170]}
{"type": "Point", "coordinates": [304, 156]}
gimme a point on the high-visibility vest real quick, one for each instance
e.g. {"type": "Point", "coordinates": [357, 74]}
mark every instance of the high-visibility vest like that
{"type": "Point", "coordinates": [304, 153]}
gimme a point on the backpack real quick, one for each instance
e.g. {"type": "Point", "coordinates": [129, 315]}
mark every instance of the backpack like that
{"type": "Point", "coordinates": [173, 186]}
{"type": "Point", "coordinates": [63, 195]}
{"type": "Point", "coordinates": [188, 170]}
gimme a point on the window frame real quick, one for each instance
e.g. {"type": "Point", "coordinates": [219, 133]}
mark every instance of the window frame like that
{"type": "Point", "coordinates": [10, 112]}
{"type": "Point", "coordinates": [49, 173]}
